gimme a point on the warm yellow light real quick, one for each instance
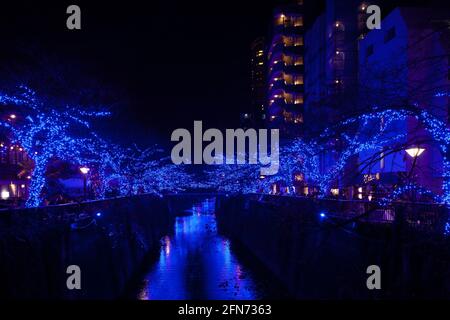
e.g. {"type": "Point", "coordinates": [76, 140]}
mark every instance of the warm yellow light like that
{"type": "Point", "coordinates": [12, 116]}
{"type": "Point", "coordinates": [414, 152]}
{"type": "Point", "coordinates": [335, 192]}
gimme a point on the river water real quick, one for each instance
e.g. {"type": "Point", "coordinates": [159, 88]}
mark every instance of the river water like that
{"type": "Point", "coordinates": [198, 263]}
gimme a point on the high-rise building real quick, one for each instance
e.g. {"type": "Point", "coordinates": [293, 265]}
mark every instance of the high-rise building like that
{"type": "Point", "coordinates": [255, 116]}
{"type": "Point", "coordinates": [331, 63]}
{"type": "Point", "coordinates": [331, 76]}
{"type": "Point", "coordinates": [285, 70]}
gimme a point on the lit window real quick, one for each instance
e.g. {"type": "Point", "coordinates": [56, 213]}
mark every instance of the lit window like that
{"type": "Point", "coordinates": [298, 100]}
{"type": "Point", "coordinates": [287, 60]}
{"type": "Point", "coordinates": [288, 79]}
{"type": "Point", "coordinates": [298, 80]}
{"type": "Point", "coordinates": [298, 22]}
{"type": "Point", "coordinates": [298, 61]}
{"type": "Point", "coordinates": [298, 41]}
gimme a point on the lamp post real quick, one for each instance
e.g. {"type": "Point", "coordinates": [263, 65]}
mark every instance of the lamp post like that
{"type": "Point", "coordinates": [414, 152]}
{"type": "Point", "coordinates": [85, 170]}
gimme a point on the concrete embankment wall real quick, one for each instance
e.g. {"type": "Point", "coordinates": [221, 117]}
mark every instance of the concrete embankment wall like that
{"type": "Point", "coordinates": [321, 258]}
{"type": "Point", "coordinates": [109, 244]}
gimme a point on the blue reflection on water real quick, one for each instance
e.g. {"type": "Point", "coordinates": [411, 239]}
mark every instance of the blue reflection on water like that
{"type": "Point", "coordinates": [197, 263]}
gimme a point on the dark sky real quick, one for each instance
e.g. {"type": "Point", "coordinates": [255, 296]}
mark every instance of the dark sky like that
{"type": "Point", "coordinates": [168, 62]}
{"type": "Point", "coordinates": [173, 62]}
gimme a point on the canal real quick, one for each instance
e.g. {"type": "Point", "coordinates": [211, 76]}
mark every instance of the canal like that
{"type": "Point", "coordinates": [196, 262]}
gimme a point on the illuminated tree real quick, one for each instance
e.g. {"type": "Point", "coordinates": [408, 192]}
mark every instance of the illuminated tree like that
{"type": "Point", "coordinates": [49, 132]}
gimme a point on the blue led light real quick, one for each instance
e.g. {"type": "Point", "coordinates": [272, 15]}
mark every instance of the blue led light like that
{"type": "Point", "coordinates": [65, 132]}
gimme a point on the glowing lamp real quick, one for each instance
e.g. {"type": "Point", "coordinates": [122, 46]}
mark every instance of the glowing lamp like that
{"type": "Point", "coordinates": [84, 170]}
{"type": "Point", "coordinates": [12, 116]}
{"type": "Point", "coordinates": [4, 195]}
{"type": "Point", "coordinates": [414, 152]}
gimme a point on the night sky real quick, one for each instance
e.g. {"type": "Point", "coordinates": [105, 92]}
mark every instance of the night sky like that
{"type": "Point", "coordinates": [170, 62]}
{"type": "Point", "coordinates": [165, 63]}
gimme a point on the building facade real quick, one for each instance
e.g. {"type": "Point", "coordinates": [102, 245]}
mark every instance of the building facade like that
{"type": "Point", "coordinates": [405, 64]}
{"type": "Point", "coordinates": [255, 117]}
{"type": "Point", "coordinates": [331, 63]}
{"type": "Point", "coordinates": [285, 70]}
{"type": "Point", "coordinates": [331, 77]}
{"type": "Point", "coordinates": [15, 170]}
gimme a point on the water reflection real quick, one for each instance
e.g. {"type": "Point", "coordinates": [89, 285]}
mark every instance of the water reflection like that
{"type": "Point", "coordinates": [197, 263]}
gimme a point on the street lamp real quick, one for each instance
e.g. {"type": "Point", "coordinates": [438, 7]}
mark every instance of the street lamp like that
{"type": "Point", "coordinates": [414, 152]}
{"type": "Point", "coordinates": [85, 170]}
